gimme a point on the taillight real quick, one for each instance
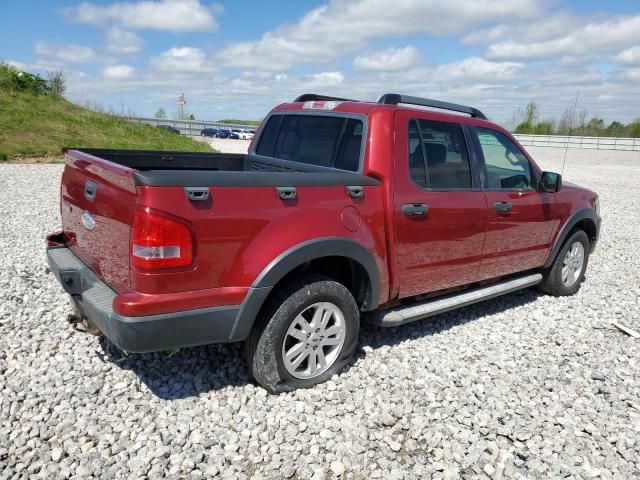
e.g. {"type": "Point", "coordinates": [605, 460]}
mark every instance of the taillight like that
{"type": "Point", "coordinates": [159, 242]}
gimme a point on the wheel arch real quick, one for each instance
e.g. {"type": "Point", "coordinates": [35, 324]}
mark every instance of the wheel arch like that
{"type": "Point", "coordinates": [330, 256]}
{"type": "Point", "coordinates": [585, 219]}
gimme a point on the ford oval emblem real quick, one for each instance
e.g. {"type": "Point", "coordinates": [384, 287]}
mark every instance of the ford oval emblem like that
{"type": "Point", "coordinates": [88, 221]}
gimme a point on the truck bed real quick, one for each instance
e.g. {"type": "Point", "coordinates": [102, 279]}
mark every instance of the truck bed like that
{"type": "Point", "coordinates": [196, 169]}
{"type": "Point", "coordinates": [241, 208]}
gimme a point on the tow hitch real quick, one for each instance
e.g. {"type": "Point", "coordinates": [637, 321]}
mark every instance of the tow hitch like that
{"type": "Point", "coordinates": [81, 324]}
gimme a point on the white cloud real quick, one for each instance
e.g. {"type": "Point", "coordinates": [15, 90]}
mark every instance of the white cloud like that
{"type": "Point", "coordinates": [168, 15]}
{"type": "Point", "coordinates": [549, 26]}
{"type": "Point", "coordinates": [474, 69]}
{"type": "Point", "coordinates": [122, 42]}
{"type": "Point", "coordinates": [585, 40]}
{"type": "Point", "coordinates": [118, 72]}
{"type": "Point", "coordinates": [387, 60]}
{"type": "Point", "coordinates": [324, 79]}
{"type": "Point", "coordinates": [341, 27]}
{"type": "Point", "coordinates": [630, 56]}
{"type": "Point", "coordinates": [632, 74]}
{"type": "Point", "coordinates": [179, 60]}
{"type": "Point", "coordinates": [64, 53]}
{"type": "Point", "coordinates": [494, 88]}
{"type": "Point", "coordinates": [244, 86]}
{"type": "Point", "coordinates": [357, 33]}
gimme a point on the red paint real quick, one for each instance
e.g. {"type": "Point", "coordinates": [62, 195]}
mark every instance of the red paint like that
{"type": "Point", "coordinates": [242, 229]}
{"type": "Point", "coordinates": [134, 304]}
{"type": "Point", "coordinates": [105, 249]}
{"type": "Point", "coordinates": [518, 240]}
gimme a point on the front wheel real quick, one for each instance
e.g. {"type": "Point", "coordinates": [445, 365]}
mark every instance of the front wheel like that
{"type": "Point", "coordinates": [567, 271]}
{"type": "Point", "coordinates": [305, 334]}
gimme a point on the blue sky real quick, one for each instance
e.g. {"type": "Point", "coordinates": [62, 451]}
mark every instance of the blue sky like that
{"type": "Point", "coordinates": [238, 59]}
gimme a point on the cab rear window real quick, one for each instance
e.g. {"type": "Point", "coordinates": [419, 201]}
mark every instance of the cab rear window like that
{"type": "Point", "coordinates": [321, 140]}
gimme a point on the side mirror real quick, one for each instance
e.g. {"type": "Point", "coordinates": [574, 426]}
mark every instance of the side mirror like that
{"type": "Point", "coordinates": [550, 182]}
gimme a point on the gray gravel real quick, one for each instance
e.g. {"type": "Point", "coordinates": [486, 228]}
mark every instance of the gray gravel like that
{"type": "Point", "coordinates": [225, 145]}
{"type": "Point", "coordinates": [524, 386]}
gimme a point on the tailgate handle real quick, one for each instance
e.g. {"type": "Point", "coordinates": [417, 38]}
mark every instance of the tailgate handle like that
{"type": "Point", "coordinates": [286, 193]}
{"type": "Point", "coordinates": [90, 189]}
{"type": "Point", "coordinates": [197, 193]}
{"type": "Point", "coordinates": [355, 191]}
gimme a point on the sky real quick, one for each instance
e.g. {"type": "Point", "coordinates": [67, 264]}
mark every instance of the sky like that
{"type": "Point", "coordinates": [238, 59]}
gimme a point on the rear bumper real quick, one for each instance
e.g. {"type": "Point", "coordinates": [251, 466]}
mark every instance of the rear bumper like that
{"type": "Point", "coordinates": [94, 300]}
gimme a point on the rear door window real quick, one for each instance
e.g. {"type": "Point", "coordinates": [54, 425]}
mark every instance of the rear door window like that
{"type": "Point", "coordinates": [320, 140]}
{"type": "Point", "coordinates": [438, 157]}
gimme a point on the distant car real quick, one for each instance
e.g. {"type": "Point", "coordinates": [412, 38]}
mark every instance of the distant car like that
{"type": "Point", "coordinates": [249, 134]}
{"type": "Point", "coordinates": [230, 134]}
{"type": "Point", "coordinates": [169, 128]}
{"type": "Point", "coordinates": [209, 132]}
{"type": "Point", "coordinates": [242, 134]}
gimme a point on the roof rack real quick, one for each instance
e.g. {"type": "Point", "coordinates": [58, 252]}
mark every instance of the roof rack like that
{"type": "Point", "coordinates": [395, 99]}
{"type": "Point", "coordinates": [312, 97]}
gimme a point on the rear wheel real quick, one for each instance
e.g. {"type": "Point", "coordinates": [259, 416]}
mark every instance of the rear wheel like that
{"type": "Point", "coordinates": [567, 271]}
{"type": "Point", "coordinates": [304, 335]}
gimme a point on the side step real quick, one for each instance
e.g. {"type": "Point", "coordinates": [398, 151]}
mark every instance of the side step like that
{"type": "Point", "coordinates": [416, 311]}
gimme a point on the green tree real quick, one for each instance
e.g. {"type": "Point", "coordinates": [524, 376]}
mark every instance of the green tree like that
{"type": "Point", "coordinates": [633, 129]}
{"type": "Point", "coordinates": [525, 127]}
{"type": "Point", "coordinates": [527, 119]}
{"type": "Point", "coordinates": [615, 129]}
{"type": "Point", "coordinates": [56, 82]}
{"type": "Point", "coordinates": [161, 113]}
{"type": "Point", "coordinates": [565, 123]}
{"type": "Point", "coordinates": [14, 80]}
{"type": "Point", "coordinates": [545, 128]}
{"type": "Point", "coordinates": [531, 113]}
{"type": "Point", "coordinates": [595, 127]}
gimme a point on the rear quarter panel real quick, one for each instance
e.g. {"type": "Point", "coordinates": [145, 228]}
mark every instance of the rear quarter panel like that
{"type": "Point", "coordinates": [240, 230]}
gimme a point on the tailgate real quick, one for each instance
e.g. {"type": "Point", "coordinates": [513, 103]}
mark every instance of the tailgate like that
{"type": "Point", "coordinates": [97, 200]}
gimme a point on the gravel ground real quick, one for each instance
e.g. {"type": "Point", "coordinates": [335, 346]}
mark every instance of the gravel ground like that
{"type": "Point", "coordinates": [225, 145]}
{"type": "Point", "coordinates": [524, 386]}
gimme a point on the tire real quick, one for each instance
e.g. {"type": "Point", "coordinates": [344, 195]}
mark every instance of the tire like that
{"type": "Point", "coordinates": [555, 280]}
{"type": "Point", "coordinates": [302, 298]}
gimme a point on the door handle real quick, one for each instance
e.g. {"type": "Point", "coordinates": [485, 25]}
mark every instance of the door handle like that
{"type": "Point", "coordinates": [502, 207]}
{"type": "Point", "coordinates": [414, 209]}
{"type": "Point", "coordinates": [355, 191]}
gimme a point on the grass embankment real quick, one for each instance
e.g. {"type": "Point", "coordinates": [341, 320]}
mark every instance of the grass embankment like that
{"type": "Point", "coordinates": [41, 125]}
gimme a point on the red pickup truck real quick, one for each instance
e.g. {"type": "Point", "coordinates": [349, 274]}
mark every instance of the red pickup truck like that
{"type": "Point", "coordinates": [341, 209]}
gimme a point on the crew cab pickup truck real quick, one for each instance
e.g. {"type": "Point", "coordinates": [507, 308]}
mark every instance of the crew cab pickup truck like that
{"type": "Point", "coordinates": [386, 211]}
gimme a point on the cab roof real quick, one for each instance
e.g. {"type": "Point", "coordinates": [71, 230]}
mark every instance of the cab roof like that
{"type": "Point", "coordinates": [392, 101]}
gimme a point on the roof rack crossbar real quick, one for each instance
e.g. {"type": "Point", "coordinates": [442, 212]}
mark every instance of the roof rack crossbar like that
{"type": "Point", "coordinates": [395, 99]}
{"type": "Point", "coordinates": [312, 97]}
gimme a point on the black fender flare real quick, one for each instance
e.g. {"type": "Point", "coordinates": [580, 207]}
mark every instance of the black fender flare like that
{"type": "Point", "coordinates": [572, 221]}
{"type": "Point", "coordinates": [292, 258]}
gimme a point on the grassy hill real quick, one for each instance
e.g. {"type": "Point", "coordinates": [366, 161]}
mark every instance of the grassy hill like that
{"type": "Point", "coordinates": [41, 125]}
{"type": "Point", "coordinates": [248, 123]}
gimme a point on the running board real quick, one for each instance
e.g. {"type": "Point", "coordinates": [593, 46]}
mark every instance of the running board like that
{"type": "Point", "coordinates": [416, 311]}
